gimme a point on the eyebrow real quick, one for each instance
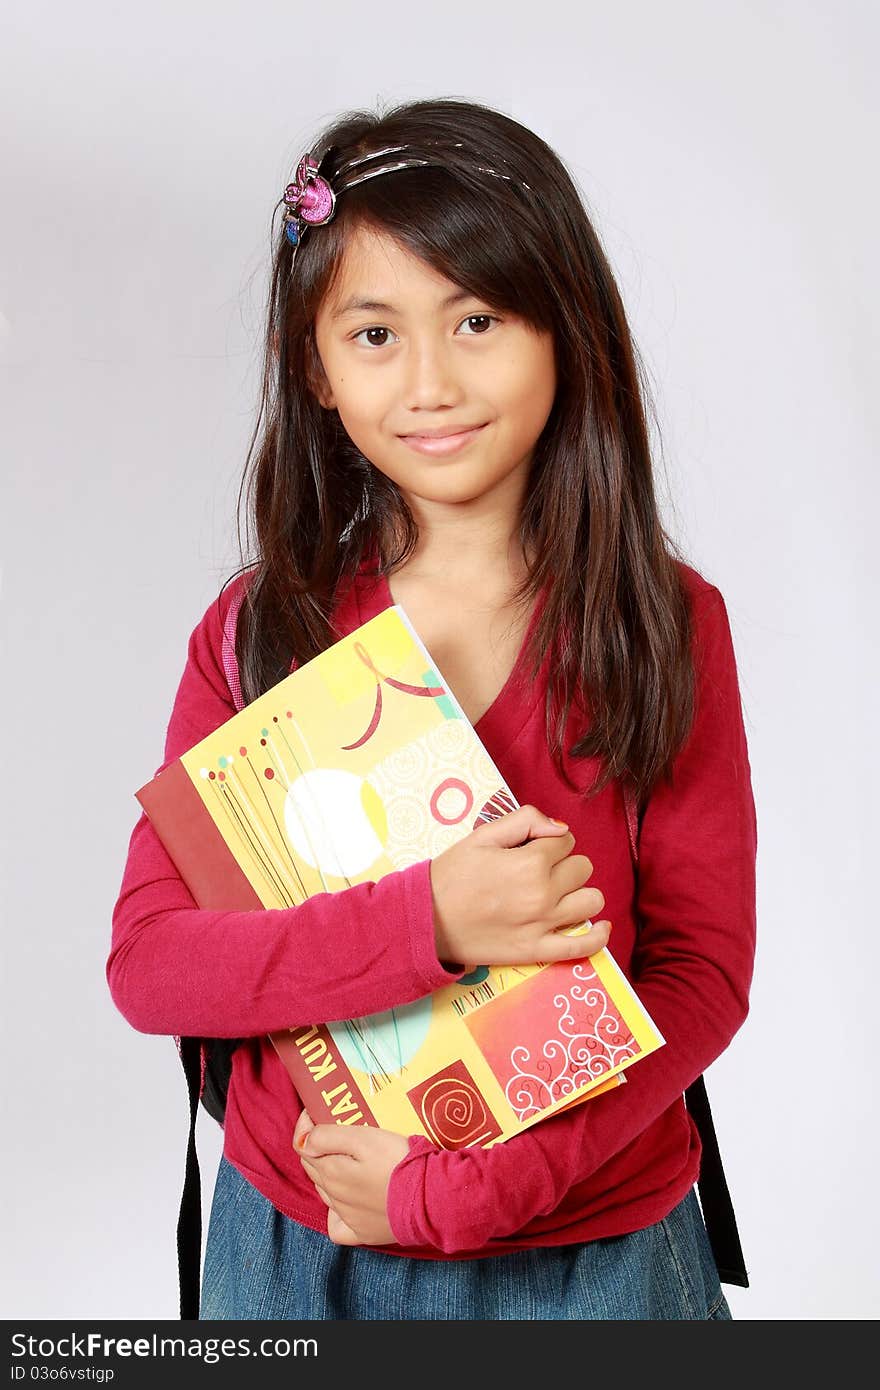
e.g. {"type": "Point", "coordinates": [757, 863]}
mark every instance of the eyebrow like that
{"type": "Point", "coordinates": [377, 306]}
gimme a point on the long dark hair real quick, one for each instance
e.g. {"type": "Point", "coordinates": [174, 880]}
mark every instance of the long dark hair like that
{"type": "Point", "coordinates": [617, 614]}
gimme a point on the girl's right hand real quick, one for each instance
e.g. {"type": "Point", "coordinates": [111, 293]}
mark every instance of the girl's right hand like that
{"type": "Point", "coordinates": [496, 907]}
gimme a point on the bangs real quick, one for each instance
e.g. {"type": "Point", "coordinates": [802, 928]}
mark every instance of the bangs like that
{"type": "Point", "coordinates": [482, 239]}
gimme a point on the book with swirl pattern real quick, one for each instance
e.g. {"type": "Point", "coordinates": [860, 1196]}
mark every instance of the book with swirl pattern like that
{"type": "Point", "coordinates": [359, 763]}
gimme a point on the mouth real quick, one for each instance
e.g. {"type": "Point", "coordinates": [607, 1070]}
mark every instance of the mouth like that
{"type": "Point", "coordinates": [445, 442]}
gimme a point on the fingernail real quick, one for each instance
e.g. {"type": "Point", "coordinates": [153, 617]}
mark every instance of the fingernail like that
{"type": "Point", "coordinates": [563, 823]}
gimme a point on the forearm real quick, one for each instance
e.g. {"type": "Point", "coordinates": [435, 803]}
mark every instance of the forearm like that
{"type": "Point", "coordinates": [463, 1200]}
{"type": "Point", "coordinates": [175, 968]}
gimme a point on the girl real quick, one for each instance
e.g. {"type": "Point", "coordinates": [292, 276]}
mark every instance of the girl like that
{"type": "Point", "coordinates": [452, 420]}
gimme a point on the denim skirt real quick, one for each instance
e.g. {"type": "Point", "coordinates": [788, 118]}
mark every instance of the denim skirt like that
{"type": "Point", "coordinates": [259, 1264]}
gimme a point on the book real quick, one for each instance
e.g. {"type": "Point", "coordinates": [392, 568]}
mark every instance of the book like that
{"type": "Point", "coordinates": [359, 763]}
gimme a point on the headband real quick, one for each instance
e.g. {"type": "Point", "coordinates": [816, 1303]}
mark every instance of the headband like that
{"type": "Point", "coordinates": [310, 201]}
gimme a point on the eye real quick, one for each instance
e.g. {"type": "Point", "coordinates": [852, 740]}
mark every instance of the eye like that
{"type": "Point", "coordinates": [482, 319]}
{"type": "Point", "coordinates": [372, 342]}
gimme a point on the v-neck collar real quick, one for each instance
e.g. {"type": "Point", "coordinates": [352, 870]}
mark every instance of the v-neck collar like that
{"type": "Point", "coordinates": [502, 722]}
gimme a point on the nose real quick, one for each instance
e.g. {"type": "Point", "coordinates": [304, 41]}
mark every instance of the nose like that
{"type": "Point", "coordinates": [430, 378]}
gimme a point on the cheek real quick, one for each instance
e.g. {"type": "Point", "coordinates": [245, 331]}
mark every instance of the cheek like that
{"type": "Point", "coordinates": [544, 387]}
{"type": "Point", "coordinates": [529, 397]}
{"type": "Point", "coordinates": [361, 397]}
{"type": "Point", "coordinates": [526, 378]}
{"type": "Point", "coordinates": [360, 417]}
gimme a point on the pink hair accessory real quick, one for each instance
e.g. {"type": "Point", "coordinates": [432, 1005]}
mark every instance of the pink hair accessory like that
{"type": "Point", "coordinates": [309, 199]}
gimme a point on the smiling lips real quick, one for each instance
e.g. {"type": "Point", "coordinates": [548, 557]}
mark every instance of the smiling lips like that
{"type": "Point", "coordinates": [441, 443]}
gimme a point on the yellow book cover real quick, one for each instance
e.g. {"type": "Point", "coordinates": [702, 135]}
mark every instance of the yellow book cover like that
{"type": "Point", "coordinates": [359, 763]}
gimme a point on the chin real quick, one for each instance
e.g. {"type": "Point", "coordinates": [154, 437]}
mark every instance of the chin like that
{"type": "Point", "coordinates": [450, 496]}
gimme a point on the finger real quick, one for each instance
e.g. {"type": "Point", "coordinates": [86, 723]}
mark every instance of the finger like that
{"type": "Point", "coordinates": [331, 1139]}
{"type": "Point", "coordinates": [304, 1126]}
{"type": "Point", "coordinates": [311, 1170]}
{"type": "Point", "coordinates": [336, 1172]}
{"type": "Point", "coordinates": [513, 829]}
{"type": "Point", "coordinates": [323, 1195]}
{"type": "Point", "coordinates": [325, 1167]}
{"type": "Point", "coordinates": [551, 849]}
{"type": "Point", "coordinates": [577, 906]}
{"type": "Point", "coordinates": [549, 827]}
{"type": "Point", "coordinates": [574, 943]}
{"type": "Point", "coordinates": [572, 910]}
{"type": "Point", "coordinates": [339, 1231]}
{"type": "Point", "coordinates": [570, 873]}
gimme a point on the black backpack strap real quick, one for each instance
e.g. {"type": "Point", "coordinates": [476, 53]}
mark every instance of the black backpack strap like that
{"type": "Point", "coordinates": [718, 1213]}
{"type": "Point", "coordinates": [714, 1195]}
{"type": "Point", "coordinates": [189, 1223]}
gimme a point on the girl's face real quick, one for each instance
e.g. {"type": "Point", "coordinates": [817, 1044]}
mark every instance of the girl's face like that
{"type": "Point", "coordinates": [404, 351]}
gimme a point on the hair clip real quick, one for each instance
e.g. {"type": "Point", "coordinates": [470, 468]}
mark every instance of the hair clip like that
{"type": "Point", "coordinates": [309, 199]}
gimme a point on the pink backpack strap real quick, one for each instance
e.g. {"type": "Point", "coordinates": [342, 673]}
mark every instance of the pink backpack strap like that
{"type": "Point", "coordinates": [632, 823]}
{"type": "Point", "coordinates": [203, 1061]}
{"type": "Point", "coordinates": [230, 665]}
{"type": "Point", "coordinates": [227, 651]}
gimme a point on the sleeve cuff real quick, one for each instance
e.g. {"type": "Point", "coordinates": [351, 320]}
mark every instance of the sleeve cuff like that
{"type": "Point", "coordinates": [420, 917]}
{"type": "Point", "coordinates": [406, 1192]}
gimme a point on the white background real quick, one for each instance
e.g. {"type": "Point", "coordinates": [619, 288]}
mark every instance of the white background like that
{"type": "Point", "coordinates": [724, 152]}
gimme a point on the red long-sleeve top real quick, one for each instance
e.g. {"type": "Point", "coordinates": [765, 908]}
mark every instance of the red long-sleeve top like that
{"type": "Point", "coordinates": [612, 1165]}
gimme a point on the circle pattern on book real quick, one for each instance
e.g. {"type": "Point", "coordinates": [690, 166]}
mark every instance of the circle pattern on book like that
{"type": "Point", "coordinates": [408, 765]}
{"type": "Point", "coordinates": [430, 790]}
{"type": "Point", "coordinates": [383, 1044]}
{"type": "Point", "coordinates": [335, 821]}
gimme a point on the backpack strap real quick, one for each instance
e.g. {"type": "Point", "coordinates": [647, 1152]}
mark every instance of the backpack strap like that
{"type": "Point", "coordinates": [194, 1058]}
{"type": "Point", "coordinates": [227, 651]}
{"type": "Point", "coordinates": [632, 824]}
{"type": "Point", "coordinates": [189, 1222]}
{"type": "Point", "coordinates": [715, 1200]}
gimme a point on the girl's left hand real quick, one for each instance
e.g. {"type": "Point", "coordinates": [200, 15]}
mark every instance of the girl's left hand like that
{"type": "Point", "coordinates": [351, 1168]}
